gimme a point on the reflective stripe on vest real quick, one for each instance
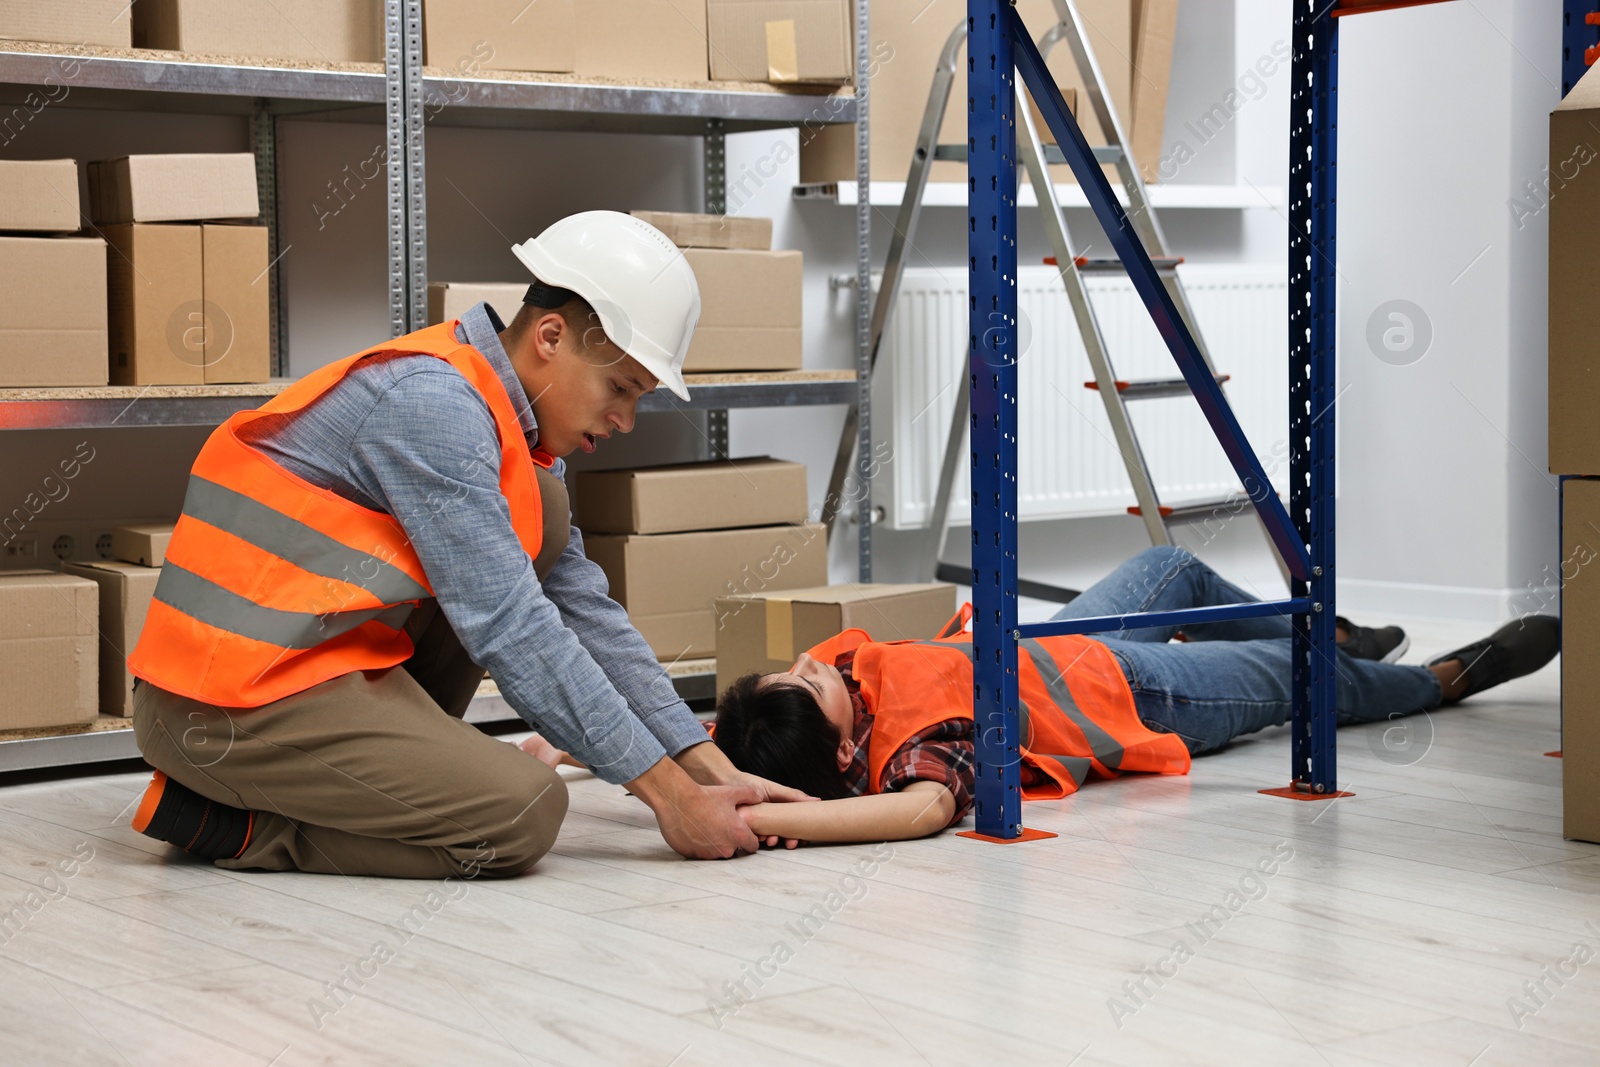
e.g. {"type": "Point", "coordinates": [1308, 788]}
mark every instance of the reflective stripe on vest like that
{"type": "Point", "coordinates": [273, 585]}
{"type": "Point", "coordinates": [310, 549]}
{"type": "Point", "coordinates": [215, 606]}
{"type": "Point", "coordinates": [1071, 720]}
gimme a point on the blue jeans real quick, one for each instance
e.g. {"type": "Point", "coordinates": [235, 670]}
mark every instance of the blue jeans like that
{"type": "Point", "coordinates": [1229, 678]}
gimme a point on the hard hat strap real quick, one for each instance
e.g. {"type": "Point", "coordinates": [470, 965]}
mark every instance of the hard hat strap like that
{"type": "Point", "coordinates": [548, 297]}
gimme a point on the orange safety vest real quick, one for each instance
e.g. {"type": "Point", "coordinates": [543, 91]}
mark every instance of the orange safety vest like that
{"type": "Point", "coordinates": [272, 585]}
{"type": "Point", "coordinates": [1075, 711]}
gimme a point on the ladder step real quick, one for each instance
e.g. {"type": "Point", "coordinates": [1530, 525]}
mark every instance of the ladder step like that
{"type": "Point", "coordinates": [1154, 388]}
{"type": "Point", "coordinates": [1200, 510]}
{"type": "Point", "coordinates": [1113, 265]}
{"type": "Point", "coordinates": [957, 153]}
{"type": "Point", "coordinates": [949, 572]}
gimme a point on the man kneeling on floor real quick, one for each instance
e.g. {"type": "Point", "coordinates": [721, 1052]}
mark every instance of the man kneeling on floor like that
{"type": "Point", "coordinates": [355, 553]}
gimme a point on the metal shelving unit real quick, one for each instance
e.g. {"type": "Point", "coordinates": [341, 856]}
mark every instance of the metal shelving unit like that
{"type": "Point", "coordinates": [1303, 535]}
{"type": "Point", "coordinates": [407, 98]}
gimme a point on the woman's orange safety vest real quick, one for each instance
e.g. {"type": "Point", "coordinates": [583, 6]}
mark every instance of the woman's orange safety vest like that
{"type": "Point", "coordinates": [1075, 710]}
{"type": "Point", "coordinates": [272, 585]}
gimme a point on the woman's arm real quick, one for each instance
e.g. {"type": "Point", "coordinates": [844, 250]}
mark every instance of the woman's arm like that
{"type": "Point", "coordinates": [919, 809]}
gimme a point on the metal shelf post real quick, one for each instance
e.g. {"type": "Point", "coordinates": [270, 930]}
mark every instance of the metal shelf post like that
{"type": "Point", "coordinates": [1313, 328]}
{"type": "Point", "coordinates": [864, 461]}
{"type": "Point", "coordinates": [407, 186]}
{"type": "Point", "coordinates": [264, 142]}
{"type": "Point", "coordinates": [715, 154]}
{"type": "Point", "coordinates": [992, 365]}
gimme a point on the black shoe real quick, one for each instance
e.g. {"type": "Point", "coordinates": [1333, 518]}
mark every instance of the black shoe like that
{"type": "Point", "coordinates": [1385, 644]}
{"type": "Point", "coordinates": [1519, 647]}
{"type": "Point", "coordinates": [176, 814]}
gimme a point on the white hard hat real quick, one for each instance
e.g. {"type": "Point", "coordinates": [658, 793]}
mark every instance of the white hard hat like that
{"type": "Point", "coordinates": [636, 280]}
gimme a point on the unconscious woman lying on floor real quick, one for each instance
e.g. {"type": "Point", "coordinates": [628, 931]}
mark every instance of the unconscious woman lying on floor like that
{"type": "Point", "coordinates": [882, 732]}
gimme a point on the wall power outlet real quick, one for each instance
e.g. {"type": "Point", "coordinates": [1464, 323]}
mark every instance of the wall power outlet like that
{"type": "Point", "coordinates": [49, 544]}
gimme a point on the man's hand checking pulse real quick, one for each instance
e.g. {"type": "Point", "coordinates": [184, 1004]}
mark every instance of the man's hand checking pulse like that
{"type": "Point", "coordinates": [698, 806]}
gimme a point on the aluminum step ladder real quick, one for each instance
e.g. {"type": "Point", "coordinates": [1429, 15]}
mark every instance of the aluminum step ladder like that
{"type": "Point", "coordinates": [1114, 393]}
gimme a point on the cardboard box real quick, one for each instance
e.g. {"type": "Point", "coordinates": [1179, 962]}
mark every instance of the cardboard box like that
{"type": "Point", "coordinates": [749, 310]}
{"type": "Point", "coordinates": [125, 593]}
{"type": "Point", "coordinates": [49, 652]}
{"type": "Point", "coordinates": [717, 495]}
{"type": "Point", "coordinates": [472, 35]}
{"type": "Point", "coordinates": [766, 631]}
{"type": "Point", "coordinates": [143, 544]}
{"type": "Point", "coordinates": [642, 40]}
{"type": "Point", "coordinates": [687, 230]}
{"type": "Point", "coordinates": [1580, 667]}
{"type": "Point", "coordinates": [451, 300]}
{"type": "Point", "coordinates": [1155, 30]}
{"type": "Point", "coordinates": [907, 37]}
{"type": "Point", "coordinates": [236, 310]}
{"type": "Point", "coordinates": [174, 187]}
{"type": "Point", "coordinates": [104, 23]}
{"type": "Point", "coordinates": [317, 31]}
{"type": "Point", "coordinates": [52, 311]}
{"type": "Point", "coordinates": [155, 278]}
{"type": "Point", "coordinates": [188, 304]}
{"type": "Point", "coordinates": [668, 581]}
{"type": "Point", "coordinates": [39, 195]}
{"type": "Point", "coordinates": [1573, 203]}
{"type": "Point", "coordinates": [780, 40]}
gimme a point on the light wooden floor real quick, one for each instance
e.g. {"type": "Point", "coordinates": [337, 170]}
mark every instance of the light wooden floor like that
{"type": "Point", "coordinates": [1399, 933]}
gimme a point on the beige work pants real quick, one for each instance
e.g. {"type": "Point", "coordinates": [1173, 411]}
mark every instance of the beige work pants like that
{"type": "Point", "coordinates": [369, 773]}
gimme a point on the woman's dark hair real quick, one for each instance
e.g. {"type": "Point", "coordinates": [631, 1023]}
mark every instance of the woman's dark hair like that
{"type": "Point", "coordinates": [780, 733]}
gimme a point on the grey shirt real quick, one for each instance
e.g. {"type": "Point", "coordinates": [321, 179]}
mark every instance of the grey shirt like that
{"type": "Point", "coordinates": [407, 435]}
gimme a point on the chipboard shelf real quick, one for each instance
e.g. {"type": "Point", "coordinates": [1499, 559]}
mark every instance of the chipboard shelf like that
{"type": "Point", "coordinates": [113, 79]}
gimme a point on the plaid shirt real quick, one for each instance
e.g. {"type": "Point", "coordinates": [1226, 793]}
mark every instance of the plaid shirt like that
{"type": "Point", "coordinates": [942, 753]}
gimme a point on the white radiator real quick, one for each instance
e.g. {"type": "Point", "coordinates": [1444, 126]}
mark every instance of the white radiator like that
{"type": "Point", "coordinates": [1069, 465]}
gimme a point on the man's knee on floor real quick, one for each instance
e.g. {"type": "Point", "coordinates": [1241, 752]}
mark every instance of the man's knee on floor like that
{"type": "Point", "coordinates": [534, 811]}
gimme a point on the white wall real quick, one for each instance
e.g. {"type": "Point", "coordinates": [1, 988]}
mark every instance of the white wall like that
{"type": "Point", "coordinates": [1445, 504]}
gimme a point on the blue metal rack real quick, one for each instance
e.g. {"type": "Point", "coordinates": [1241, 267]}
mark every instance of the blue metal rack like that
{"type": "Point", "coordinates": [997, 45]}
{"type": "Point", "coordinates": [1580, 39]}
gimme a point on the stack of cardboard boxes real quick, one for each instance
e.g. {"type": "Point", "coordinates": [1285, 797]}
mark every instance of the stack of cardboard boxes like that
{"type": "Point", "coordinates": [1131, 40]}
{"type": "Point", "coordinates": [669, 41]}
{"type": "Point", "coordinates": [52, 287]}
{"type": "Point", "coordinates": [749, 294]}
{"type": "Point", "coordinates": [1573, 201]}
{"type": "Point", "coordinates": [64, 638]}
{"type": "Point", "coordinates": [165, 304]}
{"type": "Point", "coordinates": [187, 289]}
{"type": "Point", "coordinates": [672, 539]}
